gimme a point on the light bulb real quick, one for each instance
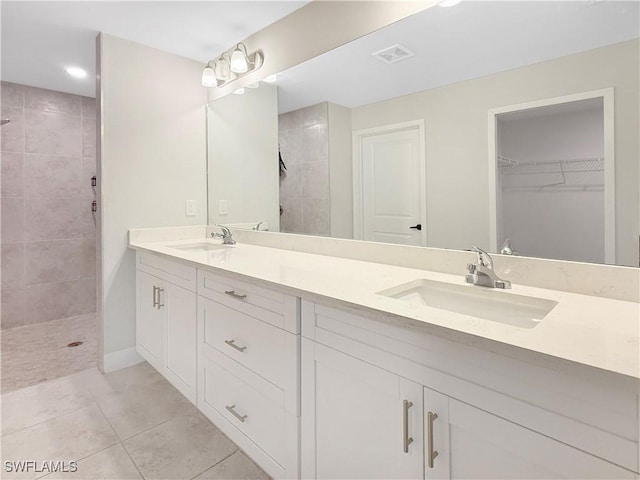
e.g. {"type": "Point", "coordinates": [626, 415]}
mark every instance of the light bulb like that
{"type": "Point", "coordinates": [222, 69]}
{"type": "Point", "coordinates": [238, 62]}
{"type": "Point", "coordinates": [209, 77]}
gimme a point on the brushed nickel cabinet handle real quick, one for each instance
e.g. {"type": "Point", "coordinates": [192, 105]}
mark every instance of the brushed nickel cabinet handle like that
{"type": "Point", "coordinates": [233, 294]}
{"type": "Point", "coordinates": [155, 296]}
{"type": "Point", "coordinates": [431, 453]}
{"type": "Point", "coordinates": [406, 439]}
{"type": "Point", "coordinates": [230, 408]}
{"type": "Point", "coordinates": [160, 305]}
{"type": "Point", "coordinates": [232, 344]}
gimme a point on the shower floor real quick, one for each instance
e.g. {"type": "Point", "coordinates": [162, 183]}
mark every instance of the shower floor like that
{"type": "Point", "coordinates": [38, 352]}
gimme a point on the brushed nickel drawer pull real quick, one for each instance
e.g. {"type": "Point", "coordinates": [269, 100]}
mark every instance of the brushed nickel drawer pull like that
{"type": "Point", "coordinates": [230, 408]}
{"type": "Point", "coordinates": [160, 305]}
{"type": "Point", "coordinates": [235, 295]}
{"type": "Point", "coordinates": [155, 301]}
{"type": "Point", "coordinates": [406, 439]}
{"type": "Point", "coordinates": [431, 453]}
{"type": "Point", "coordinates": [232, 344]}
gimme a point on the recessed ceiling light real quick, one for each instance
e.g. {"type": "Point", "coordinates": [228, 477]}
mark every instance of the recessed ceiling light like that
{"type": "Point", "coordinates": [449, 3]}
{"type": "Point", "coordinates": [76, 72]}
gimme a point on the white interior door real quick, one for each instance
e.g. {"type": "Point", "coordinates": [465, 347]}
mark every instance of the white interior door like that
{"type": "Point", "coordinates": [392, 198]}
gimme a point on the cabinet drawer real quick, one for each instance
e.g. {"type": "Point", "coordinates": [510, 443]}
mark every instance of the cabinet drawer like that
{"type": "Point", "coordinates": [174, 272]}
{"type": "Point", "coordinates": [269, 306]}
{"type": "Point", "coordinates": [269, 351]}
{"type": "Point", "coordinates": [249, 403]}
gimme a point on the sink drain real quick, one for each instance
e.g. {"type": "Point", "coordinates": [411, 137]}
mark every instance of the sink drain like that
{"type": "Point", "coordinates": [74, 344]}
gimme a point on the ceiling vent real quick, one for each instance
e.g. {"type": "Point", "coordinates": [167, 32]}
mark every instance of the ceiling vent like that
{"type": "Point", "coordinates": [393, 54]}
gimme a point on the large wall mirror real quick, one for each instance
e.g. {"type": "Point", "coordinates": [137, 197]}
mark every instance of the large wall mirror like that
{"type": "Point", "coordinates": [513, 126]}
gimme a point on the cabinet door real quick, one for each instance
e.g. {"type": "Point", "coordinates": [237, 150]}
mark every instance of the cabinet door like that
{"type": "Point", "coordinates": [359, 421]}
{"type": "Point", "coordinates": [179, 307]}
{"type": "Point", "coordinates": [150, 324]}
{"type": "Point", "coordinates": [474, 444]}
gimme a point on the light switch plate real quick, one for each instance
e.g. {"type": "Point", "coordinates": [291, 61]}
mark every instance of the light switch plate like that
{"type": "Point", "coordinates": [190, 208]}
{"type": "Point", "coordinates": [223, 207]}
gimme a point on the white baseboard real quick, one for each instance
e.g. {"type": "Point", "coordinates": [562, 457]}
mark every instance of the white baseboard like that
{"type": "Point", "coordinates": [121, 359]}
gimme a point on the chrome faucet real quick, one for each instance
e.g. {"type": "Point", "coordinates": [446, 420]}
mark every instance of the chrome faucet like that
{"type": "Point", "coordinates": [481, 273]}
{"type": "Point", "coordinates": [227, 238]}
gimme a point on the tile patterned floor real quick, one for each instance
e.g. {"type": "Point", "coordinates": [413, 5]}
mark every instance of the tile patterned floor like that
{"type": "Point", "coordinates": [38, 352]}
{"type": "Point", "coordinates": [129, 424]}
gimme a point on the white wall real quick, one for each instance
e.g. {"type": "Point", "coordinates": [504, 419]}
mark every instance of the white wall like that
{"type": "Point", "coordinates": [456, 138]}
{"type": "Point", "coordinates": [340, 171]}
{"type": "Point", "coordinates": [553, 222]}
{"type": "Point", "coordinates": [243, 157]}
{"type": "Point", "coordinates": [152, 157]}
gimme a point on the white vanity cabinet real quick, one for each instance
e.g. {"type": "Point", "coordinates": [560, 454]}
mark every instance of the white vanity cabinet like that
{"type": "Point", "coordinates": [166, 320]}
{"type": "Point", "coordinates": [485, 415]}
{"type": "Point", "coordinates": [248, 360]}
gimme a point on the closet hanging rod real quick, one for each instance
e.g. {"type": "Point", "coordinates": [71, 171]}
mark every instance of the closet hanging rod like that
{"type": "Point", "coordinates": [512, 163]}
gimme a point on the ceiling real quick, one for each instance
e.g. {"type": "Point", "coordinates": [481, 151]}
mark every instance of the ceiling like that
{"type": "Point", "coordinates": [40, 39]}
{"type": "Point", "coordinates": [469, 40]}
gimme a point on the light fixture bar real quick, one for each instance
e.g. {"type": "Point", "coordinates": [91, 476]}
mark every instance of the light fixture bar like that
{"type": "Point", "coordinates": [231, 65]}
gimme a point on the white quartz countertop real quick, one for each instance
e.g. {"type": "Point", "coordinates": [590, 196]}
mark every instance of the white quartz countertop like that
{"type": "Point", "coordinates": [587, 330]}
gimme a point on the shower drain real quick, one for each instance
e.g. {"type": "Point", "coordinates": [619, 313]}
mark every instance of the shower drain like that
{"type": "Point", "coordinates": [74, 344]}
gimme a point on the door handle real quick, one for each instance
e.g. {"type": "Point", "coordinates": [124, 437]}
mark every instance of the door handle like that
{"type": "Point", "coordinates": [160, 305]}
{"type": "Point", "coordinates": [431, 453]}
{"type": "Point", "coordinates": [417, 227]}
{"type": "Point", "coordinates": [406, 439]}
{"type": "Point", "coordinates": [155, 296]}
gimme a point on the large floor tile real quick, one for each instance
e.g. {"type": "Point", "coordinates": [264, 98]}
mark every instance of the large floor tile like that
{"type": "Point", "coordinates": [69, 437]}
{"type": "Point", "coordinates": [181, 448]}
{"type": "Point", "coordinates": [39, 403]}
{"type": "Point", "coordinates": [135, 410]}
{"type": "Point", "coordinates": [110, 464]}
{"type": "Point", "coordinates": [236, 467]}
{"type": "Point", "coordinates": [128, 379]}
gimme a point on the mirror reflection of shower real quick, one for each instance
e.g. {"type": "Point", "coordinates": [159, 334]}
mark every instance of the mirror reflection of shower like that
{"type": "Point", "coordinates": [4, 121]}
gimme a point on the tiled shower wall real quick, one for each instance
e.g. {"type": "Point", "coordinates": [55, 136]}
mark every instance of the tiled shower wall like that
{"type": "Point", "coordinates": [304, 190]}
{"type": "Point", "coordinates": [48, 230]}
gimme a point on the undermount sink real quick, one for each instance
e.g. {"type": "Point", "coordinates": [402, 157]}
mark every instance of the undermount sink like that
{"type": "Point", "coordinates": [201, 247]}
{"type": "Point", "coordinates": [480, 302]}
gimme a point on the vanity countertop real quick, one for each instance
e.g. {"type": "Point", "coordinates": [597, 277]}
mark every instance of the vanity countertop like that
{"type": "Point", "coordinates": [581, 329]}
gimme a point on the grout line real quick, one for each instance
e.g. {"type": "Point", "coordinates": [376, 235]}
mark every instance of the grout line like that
{"type": "Point", "coordinates": [218, 462]}
{"type": "Point", "coordinates": [48, 419]}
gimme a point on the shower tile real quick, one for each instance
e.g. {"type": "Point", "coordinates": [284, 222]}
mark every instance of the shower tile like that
{"type": "Point", "coordinates": [313, 115]}
{"type": "Point", "coordinates": [314, 144]}
{"type": "Point", "coordinates": [12, 219]}
{"type": "Point", "coordinates": [291, 218]}
{"type": "Point", "coordinates": [88, 137]}
{"type": "Point", "coordinates": [52, 133]}
{"type": "Point", "coordinates": [88, 107]}
{"type": "Point", "coordinates": [12, 175]}
{"type": "Point", "coordinates": [12, 134]}
{"type": "Point", "coordinates": [288, 121]}
{"type": "Point", "coordinates": [52, 101]}
{"type": "Point", "coordinates": [13, 307]}
{"type": "Point", "coordinates": [12, 95]}
{"type": "Point", "coordinates": [12, 257]}
{"type": "Point", "coordinates": [52, 176]}
{"type": "Point", "coordinates": [59, 260]}
{"type": "Point", "coordinates": [315, 180]}
{"type": "Point", "coordinates": [315, 216]}
{"type": "Point", "coordinates": [50, 301]}
{"type": "Point", "coordinates": [56, 218]}
{"type": "Point", "coordinates": [291, 182]}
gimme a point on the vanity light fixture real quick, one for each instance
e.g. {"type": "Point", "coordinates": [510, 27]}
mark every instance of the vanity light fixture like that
{"type": "Point", "coordinates": [231, 65]}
